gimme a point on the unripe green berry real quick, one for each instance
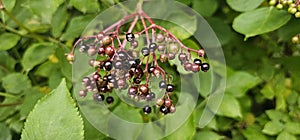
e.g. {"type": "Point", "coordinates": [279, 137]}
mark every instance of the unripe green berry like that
{"type": "Point", "coordinates": [297, 14]}
{"type": "Point", "coordinates": [272, 2]}
{"type": "Point", "coordinates": [279, 6]}
{"type": "Point", "coordinates": [295, 39]}
{"type": "Point", "coordinates": [290, 1]}
{"type": "Point", "coordinates": [293, 10]}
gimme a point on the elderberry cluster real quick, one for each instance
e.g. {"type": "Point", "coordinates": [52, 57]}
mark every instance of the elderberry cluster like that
{"type": "Point", "coordinates": [293, 6]}
{"type": "Point", "coordinates": [127, 66]}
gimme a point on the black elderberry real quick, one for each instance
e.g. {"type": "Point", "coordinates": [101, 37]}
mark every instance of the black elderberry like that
{"type": "Point", "coordinates": [150, 96]}
{"type": "Point", "coordinates": [118, 64]}
{"type": "Point", "coordinates": [130, 37]}
{"type": "Point", "coordinates": [134, 63]}
{"type": "Point", "coordinates": [137, 80]}
{"type": "Point", "coordinates": [145, 51]}
{"type": "Point", "coordinates": [152, 47]}
{"type": "Point", "coordinates": [122, 55]}
{"type": "Point", "coordinates": [109, 99]}
{"type": "Point", "coordinates": [205, 67]}
{"type": "Point", "coordinates": [162, 84]}
{"type": "Point", "coordinates": [99, 97]}
{"type": "Point", "coordinates": [163, 109]}
{"type": "Point", "coordinates": [197, 61]}
{"type": "Point", "coordinates": [132, 90]}
{"type": "Point", "coordinates": [151, 69]}
{"type": "Point", "coordinates": [108, 65]}
{"type": "Point", "coordinates": [147, 109]}
{"type": "Point", "coordinates": [170, 88]}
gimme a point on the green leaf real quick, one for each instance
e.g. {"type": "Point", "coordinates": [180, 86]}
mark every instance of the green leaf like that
{"type": "Point", "coordinates": [244, 5]}
{"type": "Point", "coordinates": [293, 127]}
{"type": "Point", "coordinates": [205, 8]}
{"type": "Point", "coordinates": [260, 21]}
{"type": "Point", "coordinates": [76, 27]}
{"type": "Point", "coordinates": [230, 107]}
{"type": "Point", "coordinates": [186, 131]}
{"type": "Point", "coordinates": [207, 135]}
{"type": "Point", "coordinates": [36, 54]}
{"type": "Point", "coordinates": [268, 91]}
{"type": "Point", "coordinates": [286, 136]}
{"type": "Point", "coordinates": [276, 115]}
{"type": "Point", "coordinates": [87, 6]}
{"type": "Point", "coordinates": [289, 30]}
{"type": "Point", "coordinates": [273, 127]}
{"type": "Point", "coordinates": [15, 83]}
{"type": "Point", "coordinates": [7, 111]}
{"type": "Point", "coordinates": [44, 8]}
{"type": "Point", "coordinates": [181, 25]}
{"type": "Point", "coordinates": [8, 40]}
{"type": "Point", "coordinates": [222, 30]}
{"type": "Point", "coordinates": [46, 69]}
{"type": "Point", "coordinates": [7, 61]}
{"type": "Point", "coordinates": [54, 117]}
{"type": "Point", "coordinates": [240, 82]}
{"type": "Point", "coordinates": [31, 97]}
{"type": "Point", "coordinates": [59, 21]}
{"type": "Point", "coordinates": [5, 132]}
{"type": "Point", "coordinates": [186, 2]}
{"type": "Point", "coordinates": [254, 133]}
{"type": "Point", "coordinates": [9, 4]}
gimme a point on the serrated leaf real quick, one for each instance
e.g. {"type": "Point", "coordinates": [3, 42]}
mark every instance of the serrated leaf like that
{"type": "Point", "coordinates": [54, 117]}
{"type": "Point", "coordinates": [76, 27]}
{"type": "Point", "coordinates": [244, 5]}
{"type": "Point", "coordinates": [86, 6]}
{"type": "Point", "coordinates": [205, 8]}
{"type": "Point", "coordinates": [260, 21]}
{"type": "Point", "coordinates": [8, 40]}
{"type": "Point", "coordinates": [273, 127]}
{"type": "Point", "coordinates": [36, 54]}
{"type": "Point", "coordinates": [286, 136]}
{"type": "Point", "coordinates": [44, 8]}
{"type": "Point", "coordinates": [289, 30]}
{"type": "Point", "coordinates": [230, 107]}
{"type": "Point", "coordinates": [240, 82]}
{"type": "Point", "coordinates": [208, 135]}
{"type": "Point", "coordinates": [15, 83]}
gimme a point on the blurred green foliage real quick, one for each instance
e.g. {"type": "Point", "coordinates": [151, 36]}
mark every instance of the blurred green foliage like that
{"type": "Point", "coordinates": [261, 101]}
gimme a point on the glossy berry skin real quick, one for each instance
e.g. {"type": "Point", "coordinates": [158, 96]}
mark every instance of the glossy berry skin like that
{"type": "Point", "coordinates": [197, 61]}
{"type": "Point", "coordinates": [145, 51]}
{"type": "Point", "coordinates": [108, 65]}
{"type": "Point", "coordinates": [205, 67]}
{"type": "Point", "coordinates": [151, 69]}
{"type": "Point", "coordinates": [109, 51]}
{"type": "Point", "coordinates": [152, 47]}
{"type": "Point", "coordinates": [134, 63]}
{"type": "Point", "coordinates": [118, 64]}
{"type": "Point", "coordinates": [168, 102]}
{"type": "Point", "coordinates": [132, 90]}
{"type": "Point", "coordinates": [160, 38]}
{"type": "Point", "coordinates": [147, 109]}
{"type": "Point", "coordinates": [109, 99]}
{"type": "Point", "coordinates": [160, 101]}
{"type": "Point", "coordinates": [130, 37]}
{"type": "Point", "coordinates": [144, 89]}
{"type": "Point", "coordinates": [122, 55]}
{"type": "Point", "coordinates": [170, 88]}
{"type": "Point", "coordinates": [101, 51]}
{"type": "Point", "coordinates": [82, 93]}
{"type": "Point", "coordinates": [195, 68]}
{"type": "Point", "coordinates": [162, 84]}
{"type": "Point", "coordinates": [163, 109]}
{"type": "Point", "coordinates": [99, 97]}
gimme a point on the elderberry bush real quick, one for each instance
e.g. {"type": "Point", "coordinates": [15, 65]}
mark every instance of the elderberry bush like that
{"type": "Point", "coordinates": [119, 64]}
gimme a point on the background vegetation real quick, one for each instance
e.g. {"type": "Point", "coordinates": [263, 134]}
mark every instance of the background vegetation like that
{"type": "Point", "coordinates": [262, 99]}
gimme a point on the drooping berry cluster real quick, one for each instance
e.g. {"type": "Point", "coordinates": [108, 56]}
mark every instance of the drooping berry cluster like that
{"type": "Point", "coordinates": [293, 6]}
{"type": "Point", "coordinates": [121, 62]}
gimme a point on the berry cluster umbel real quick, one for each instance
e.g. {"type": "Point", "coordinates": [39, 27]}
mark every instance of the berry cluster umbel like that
{"type": "Point", "coordinates": [293, 6]}
{"type": "Point", "coordinates": [122, 63]}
